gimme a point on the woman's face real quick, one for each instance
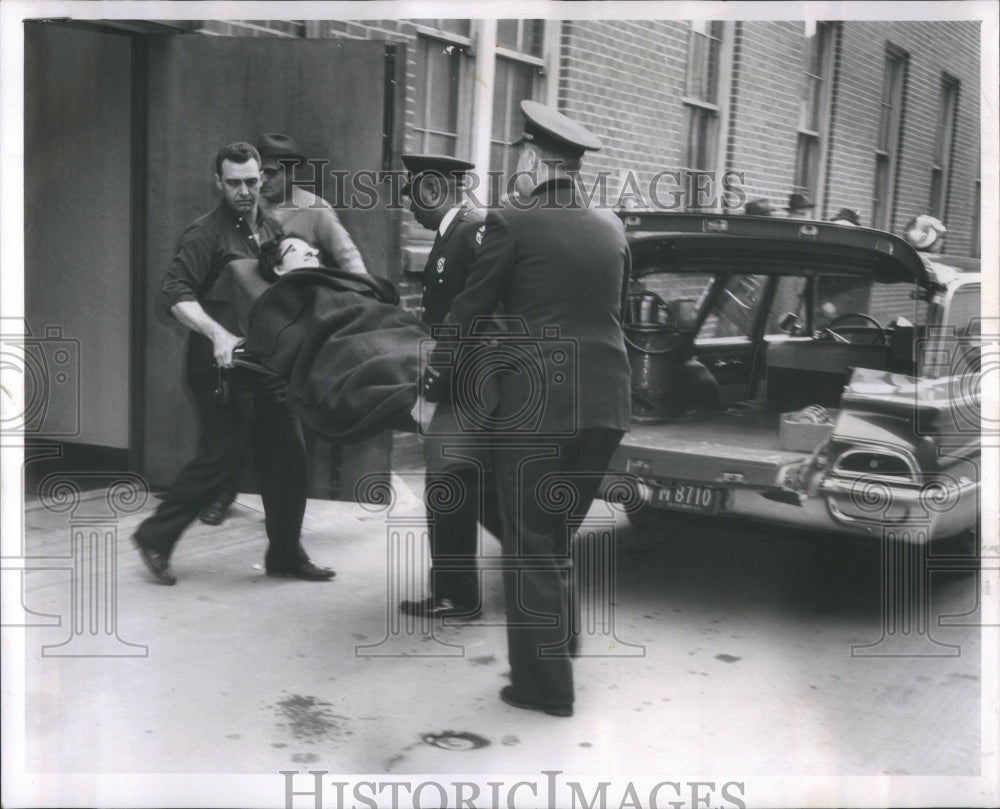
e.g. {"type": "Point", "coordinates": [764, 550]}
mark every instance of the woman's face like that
{"type": "Point", "coordinates": [294, 254]}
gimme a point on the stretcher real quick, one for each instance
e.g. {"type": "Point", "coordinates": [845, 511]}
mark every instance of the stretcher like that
{"type": "Point", "coordinates": [348, 354]}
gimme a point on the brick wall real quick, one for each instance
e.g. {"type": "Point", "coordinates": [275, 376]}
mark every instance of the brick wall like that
{"type": "Point", "coordinates": [952, 47]}
{"type": "Point", "coordinates": [764, 107]}
{"type": "Point", "coordinates": [624, 79]}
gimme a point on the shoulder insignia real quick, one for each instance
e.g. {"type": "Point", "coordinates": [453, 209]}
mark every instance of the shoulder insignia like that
{"type": "Point", "coordinates": [479, 234]}
{"type": "Point", "coordinates": [440, 265]}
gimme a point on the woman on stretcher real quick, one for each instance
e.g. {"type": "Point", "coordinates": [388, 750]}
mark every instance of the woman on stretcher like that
{"type": "Point", "coordinates": [349, 354]}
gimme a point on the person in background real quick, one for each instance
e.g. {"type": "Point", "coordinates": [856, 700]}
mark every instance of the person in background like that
{"type": "Point", "coordinates": [847, 216]}
{"type": "Point", "coordinates": [300, 212]}
{"type": "Point", "coordinates": [760, 207]}
{"type": "Point", "coordinates": [434, 186]}
{"type": "Point", "coordinates": [925, 233]}
{"type": "Point", "coordinates": [799, 206]}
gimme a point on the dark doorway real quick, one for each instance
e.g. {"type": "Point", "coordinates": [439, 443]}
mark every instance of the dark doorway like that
{"type": "Point", "coordinates": [78, 242]}
{"type": "Point", "coordinates": [121, 130]}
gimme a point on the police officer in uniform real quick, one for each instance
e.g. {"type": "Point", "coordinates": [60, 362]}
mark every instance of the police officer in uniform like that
{"type": "Point", "coordinates": [435, 189]}
{"type": "Point", "coordinates": [562, 268]}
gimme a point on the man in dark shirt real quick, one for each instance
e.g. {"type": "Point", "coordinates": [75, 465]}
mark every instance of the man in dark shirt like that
{"type": "Point", "coordinates": [561, 269]}
{"type": "Point", "coordinates": [250, 408]}
{"type": "Point", "coordinates": [453, 459]}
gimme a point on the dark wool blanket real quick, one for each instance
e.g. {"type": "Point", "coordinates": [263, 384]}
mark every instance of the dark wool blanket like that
{"type": "Point", "coordinates": [350, 354]}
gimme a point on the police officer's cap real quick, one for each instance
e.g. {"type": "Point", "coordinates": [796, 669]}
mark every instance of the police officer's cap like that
{"type": "Point", "coordinates": [548, 127]}
{"type": "Point", "coordinates": [444, 165]}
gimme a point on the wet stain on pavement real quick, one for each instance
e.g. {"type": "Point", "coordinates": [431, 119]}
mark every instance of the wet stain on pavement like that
{"type": "Point", "coordinates": [510, 740]}
{"type": "Point", "coordinates": [455, 740]}
{"type": "Point", "coordinates": [483, 660]}
{"type": "Point", "coordinates": [309, 719]}
{"type": "Point", "coordinates": [727, 658]}
{"type": "Point", "coordinates": [233, 736]}
{"type": "Point", "coordinates": [586, 744]}
{"type": "Point", "coordinates": [279, 745]}
{"type": "Point", "coordinates": [392, 762]}
{"type": "Point", "coordinates": [305, 758]}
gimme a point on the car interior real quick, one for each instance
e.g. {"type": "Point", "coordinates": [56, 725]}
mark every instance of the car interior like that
{"type": "Point", "coordinates": [780, 340]}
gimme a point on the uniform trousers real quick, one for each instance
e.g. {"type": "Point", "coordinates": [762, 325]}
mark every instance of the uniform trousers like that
{"type": "Point", "coordinates": [533, 477]}
{"type": "Point", "coordinates": [250, 413]}
{"type": "Point", "coordinates": [454, 530]}
{"type": "Point", "coordinates": [459, 495]}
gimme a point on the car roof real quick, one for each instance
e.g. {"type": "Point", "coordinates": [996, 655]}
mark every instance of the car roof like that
{"type": "Point", "coordinates": [720, 239]}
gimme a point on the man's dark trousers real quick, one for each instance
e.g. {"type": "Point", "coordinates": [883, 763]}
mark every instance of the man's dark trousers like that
{"type": "Point", "coordinates": [252, 413]}
{"type": "Point", "coordinates": [536, 536]}
{"type": "Point", "coordinates": [454, 531]}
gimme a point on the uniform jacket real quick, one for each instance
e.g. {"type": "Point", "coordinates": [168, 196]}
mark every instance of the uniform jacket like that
{"type": "Point", "coordinates": [561, 269]}
{"type": "Point", "coordinates": [444, 276]}
{"type": "Point", "coordinates": [448, 263]}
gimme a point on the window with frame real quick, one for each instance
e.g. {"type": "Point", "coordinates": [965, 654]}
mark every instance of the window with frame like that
{"type": "Point", "coordinates": [814, 108]}
{"type": "Point", "coordinates": [702, 103]}
{"type": "Point", "coordinates": [890, 125]}
{"type": "Point", "coordinates": [941, 171]}
{"type": "Point", "coordinates": [442, 109]}
{"type": "Point", "coordinates": [518, 75]}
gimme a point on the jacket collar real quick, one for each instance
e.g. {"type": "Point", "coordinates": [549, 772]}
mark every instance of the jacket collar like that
{"type": "Point", "coordinates": [561, 190]}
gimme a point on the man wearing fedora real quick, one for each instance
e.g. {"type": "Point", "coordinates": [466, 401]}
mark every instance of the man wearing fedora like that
{"type": "Point", "coordinates": [760, 207]}
{"type": "Point", "coordinates": [560, 269]}
{"type": "Point", "coordinates": [434, 186]}
{"type": "Point", "coordinates": [300, 212]}
{"type": "Point", "coordinates": [847, 216]}
{"type": "Point", "coordinates": [799, 206]}
{"type": "Point", "coordinates": [249, 410]}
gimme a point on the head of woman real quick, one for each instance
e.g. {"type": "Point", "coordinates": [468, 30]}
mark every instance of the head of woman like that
{"type": "Point", "coordinates": [286, 253]}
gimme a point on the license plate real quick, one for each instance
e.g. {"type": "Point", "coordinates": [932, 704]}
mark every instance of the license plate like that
{"type": "Point", "coordinates": [686, 497]}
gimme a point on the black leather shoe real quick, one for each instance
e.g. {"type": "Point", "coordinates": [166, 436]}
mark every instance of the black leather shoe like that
{"type": "Point", "coordinates": [507, 695]}
{"type": "Point", "coordinates": [436, 607]}
{"type": "Point", "coordinates": [214, 513]}
{"type": "Point", "coordinates": [157, 563]}
{"type": "Point", "coordinates": [306, 571]}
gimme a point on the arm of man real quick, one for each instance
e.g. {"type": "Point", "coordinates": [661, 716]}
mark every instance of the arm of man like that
{"type": "Point", "coordinates": [192, 315]}
{"type": "Point", "coordinates": [336, 242]}
{"type": "Point", "coordinates": [488, 275]}
{"type": "Point", "coordinates": [188, 271]}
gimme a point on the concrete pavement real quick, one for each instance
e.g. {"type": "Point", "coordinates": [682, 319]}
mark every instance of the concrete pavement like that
{"type": "Point", "coordinates": [713, 667]}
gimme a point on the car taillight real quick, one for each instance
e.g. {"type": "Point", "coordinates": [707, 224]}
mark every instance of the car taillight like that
{"type": "Point", "coordinates": [874, 463]}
